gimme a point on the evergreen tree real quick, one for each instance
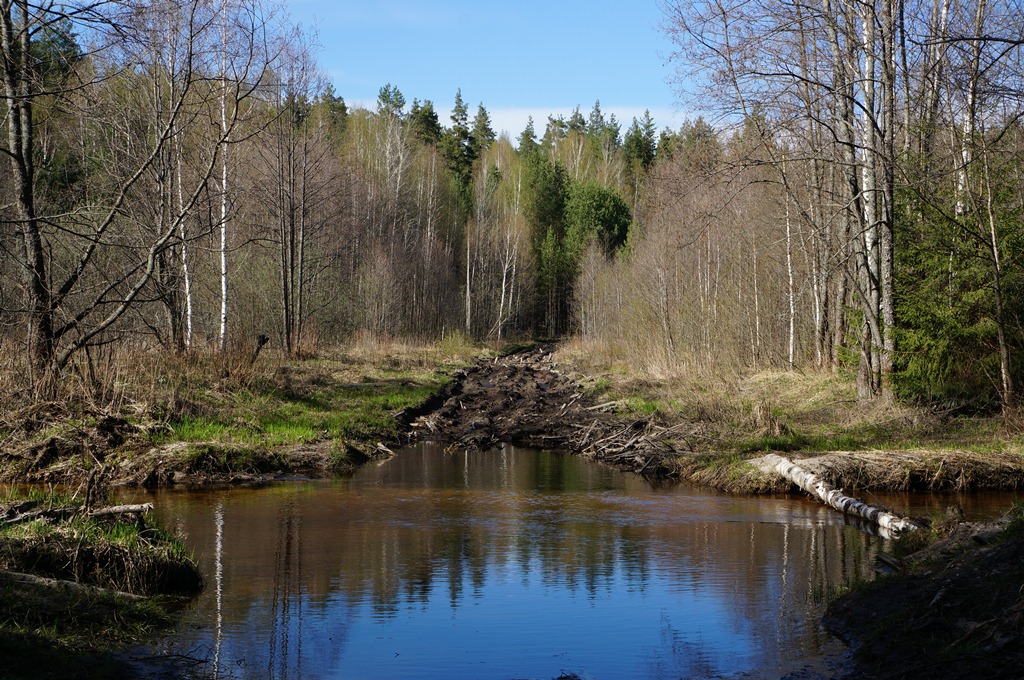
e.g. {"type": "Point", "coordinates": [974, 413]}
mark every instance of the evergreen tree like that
{"type": "Point", "coordinates": [596, 122]}
{"type": "Point", "coordinates": [595, 212]}
{"type": "Point", "coordinates": [554, 132]}
{"type": "Point", "coordinates": [668, 140]}
{"type": "Point", "coordinates": [482, 135]}
{"type": "Point", "coordinates": [390, 102]}
{"type": "Point", "coordinates": [640, 144]}
{"type": "Point", "coordinates": [335, 109]}
{"type": "Point", "coordinates": [547, 184]}
{"type": "Point", "coordinates": [576, 121]}
{"type": "Point", "coordinates": [528, 139]}
{"type": "Point", "coordinates": [457, 146]}
{"type": "Point", "coordinates": [425, 125]}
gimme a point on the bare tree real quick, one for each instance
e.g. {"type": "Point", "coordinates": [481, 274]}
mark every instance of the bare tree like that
{"type": "Point", "coordinates": [80, 274]}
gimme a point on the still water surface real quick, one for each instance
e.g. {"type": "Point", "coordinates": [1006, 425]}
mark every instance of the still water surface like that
{"type": "Point", "coordinates": [511, 563]}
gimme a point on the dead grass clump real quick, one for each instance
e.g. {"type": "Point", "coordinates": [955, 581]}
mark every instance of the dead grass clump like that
{"type": "Point", "coordinates": [766, 423]}
{"type": "Point", "coordinates": [1012, 421]}
{"type": "Point", "coordinates": [730, 473]}
{"type": "Point", "coordinates": [118, 554]}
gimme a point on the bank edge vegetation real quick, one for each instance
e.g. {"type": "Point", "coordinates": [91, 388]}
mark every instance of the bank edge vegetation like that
{"type": "Point", "coordinates": [179, 176]}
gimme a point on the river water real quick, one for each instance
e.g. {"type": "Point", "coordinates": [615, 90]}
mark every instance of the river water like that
{"type": "Point", "coordinates": [511, 563]}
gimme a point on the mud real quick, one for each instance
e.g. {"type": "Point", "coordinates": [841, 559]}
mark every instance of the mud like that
{"type": "Point", "coordinates": [956, 610]}
{"type": "Point", "coordinates": [526, 399]}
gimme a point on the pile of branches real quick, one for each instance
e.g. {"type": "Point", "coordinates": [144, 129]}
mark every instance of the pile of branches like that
{"type": "Point", "coordinates": [640, 445]}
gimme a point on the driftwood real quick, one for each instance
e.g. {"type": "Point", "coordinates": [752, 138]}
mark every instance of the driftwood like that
{"type": "Point", "coordinates": [66, 586]}
{"type": "Point", "coordinates": [62, 514]}
{"type": "Point", "coordinates": [44, 514]}
{"type": "Point", "coordinates": [833, 497]}
{"type": "Point", "coordinates": [122, 510]}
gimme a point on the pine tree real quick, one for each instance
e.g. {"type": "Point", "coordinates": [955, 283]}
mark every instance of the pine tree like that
{"type": "Point", "coordinates": [640, 144]}
{"type": "Point", "coordinates": [456, 144]}
{"type": "Point", "coordinates": [425, 125]}
{"type": "Point", "coordinates": [528, 139]}
{"type": "Point", "coordinates": [482, 135]}
{"type": "Point", "coordinates": [390, 102]}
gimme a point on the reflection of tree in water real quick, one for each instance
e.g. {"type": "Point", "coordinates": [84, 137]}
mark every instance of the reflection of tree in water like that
{"type": "Point", "coordinates": [287, 596]}
{"type": "Point", "coordinates": [677, 656]}
{"type": "Point", "coordinates": [455, 528]}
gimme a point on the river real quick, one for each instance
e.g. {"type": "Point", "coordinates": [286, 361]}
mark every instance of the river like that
{"type": "Point", "coordinates": [510, 563]}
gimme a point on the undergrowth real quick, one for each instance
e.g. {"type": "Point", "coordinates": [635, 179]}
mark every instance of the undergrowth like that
{"type": "Point", "coordinates": [780, 410]}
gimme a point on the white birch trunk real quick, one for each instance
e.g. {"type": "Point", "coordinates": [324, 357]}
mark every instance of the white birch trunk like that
{"type": "Point", "coordinates": [790, 291]}
{"type": "Point", "coordinates": [833, 497]}
{"type": "Point", "coordinates": [223, 337]}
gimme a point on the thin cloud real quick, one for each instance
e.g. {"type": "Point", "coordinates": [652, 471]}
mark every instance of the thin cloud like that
{"type": "Point", "coordinates": [512, 120]}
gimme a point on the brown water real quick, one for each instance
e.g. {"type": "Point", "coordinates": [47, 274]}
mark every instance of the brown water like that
{"type": "Point", "coordinates": [511, 564]}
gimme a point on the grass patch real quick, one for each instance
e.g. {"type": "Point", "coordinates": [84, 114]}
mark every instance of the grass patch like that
{"type": "Point", "coordinates": [346, 396]}
{"type": "Point", "coordinates": [49, 630]}
{"type": "Point", "coordinates": [50, 633]}
{"type": "Point", "coordinates": [645, 407]}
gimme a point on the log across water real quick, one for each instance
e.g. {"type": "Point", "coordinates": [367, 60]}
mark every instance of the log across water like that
{"type": "Point", "coordinates": [833, 497]}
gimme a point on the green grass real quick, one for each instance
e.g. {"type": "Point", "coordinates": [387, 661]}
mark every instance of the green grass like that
{"type": "Point", "coordinates": [800, 442]}
{"type": "Point", "coordinates": [644, 406]}
{"type": "Point", "coordinates": [48, 633]}
{"type": "Point", "coordinates": [270, 415]}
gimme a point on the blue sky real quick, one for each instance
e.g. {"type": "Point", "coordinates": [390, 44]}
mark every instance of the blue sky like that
{"type": "Point", "coordinates": [517, 57]}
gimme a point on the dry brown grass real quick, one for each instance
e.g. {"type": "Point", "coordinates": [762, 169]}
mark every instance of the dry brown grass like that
{"type": "Point", "coordinates": [790, 410]}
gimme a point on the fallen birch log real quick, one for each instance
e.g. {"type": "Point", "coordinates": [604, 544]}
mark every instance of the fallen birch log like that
{"type": "Point", "coordinates": [833, 497]}
{"type": "Point", "coordinates": [122, 510]}
{"type": "Point", "coordinates": [66, 586]}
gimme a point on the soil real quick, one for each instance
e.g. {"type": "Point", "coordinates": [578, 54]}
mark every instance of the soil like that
{"type": "Point", "coordinates": [957, 611]}
{"type": "Point", "coordinates": [525, 399]}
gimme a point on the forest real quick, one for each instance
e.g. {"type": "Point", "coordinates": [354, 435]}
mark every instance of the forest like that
{"type": "Point", "coordinates": [180, 176]}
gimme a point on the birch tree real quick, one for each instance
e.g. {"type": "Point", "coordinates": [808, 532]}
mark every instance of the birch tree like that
{"type": "Point", "coordinates": [75, 298]}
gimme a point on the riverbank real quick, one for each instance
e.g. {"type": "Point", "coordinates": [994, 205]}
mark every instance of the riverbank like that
{"type": "Point", "coordinates": [101, 578]}
{"type": "Point", "coordinates": [718, 426]}
{"type": "Point", "coordinates": [208, 419]}
{"type": "Point", "coordinates": [954, 609]}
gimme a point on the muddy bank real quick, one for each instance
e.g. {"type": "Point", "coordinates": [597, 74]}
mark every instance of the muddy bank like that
{"type": "Point", "coordinates": [344, 416]}
{"type": "Point", "coordinates": [956, 610]}
{"type": "Point", "coordinates": [526, 399]}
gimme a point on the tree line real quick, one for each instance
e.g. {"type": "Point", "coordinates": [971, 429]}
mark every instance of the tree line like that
{"type": "Point", "coordinates": [886, 137]}
{"type": "Point", "coordinates": [180, 174]}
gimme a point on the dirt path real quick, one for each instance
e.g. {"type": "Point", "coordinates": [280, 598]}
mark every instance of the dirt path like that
{"type": "Point", "coordinates": [525, 399]}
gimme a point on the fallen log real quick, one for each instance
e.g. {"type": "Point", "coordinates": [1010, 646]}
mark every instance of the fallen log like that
{"type": "Point", "coordinates": [833, 497]}
{"type": "Point", "coordinates": [66, 586]}
{"type": "Point", "coordinates": [122, 510]}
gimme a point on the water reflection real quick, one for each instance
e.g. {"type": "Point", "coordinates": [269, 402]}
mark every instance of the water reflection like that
{"type": "Point", "coordinates": [511, 564]}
